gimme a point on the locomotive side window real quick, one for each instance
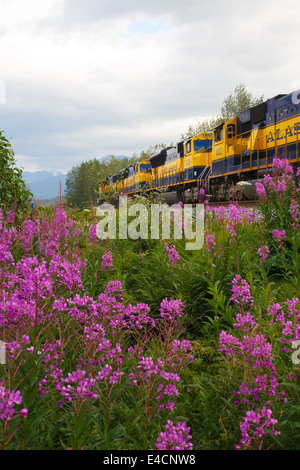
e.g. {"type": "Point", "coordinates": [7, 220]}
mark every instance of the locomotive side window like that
{"type": "Point", "coordinates": [188, 147]}
{"type": "Point", "coordinates": [230, 131]}
{"type": "Point", "coordinates": [218, 134]}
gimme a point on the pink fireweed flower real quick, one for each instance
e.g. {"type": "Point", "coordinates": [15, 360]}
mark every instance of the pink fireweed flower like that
{"type": "Point", "coordinates": [284, 165]}
{"type": "Point", "coordinates": [93, 235]}
{"type": "Point", "coordinates": [241, 291]}
{"type": "Point", "coordinates": [289, 321]}
{"type": "Point", "coordinates": [114, 288]}
{"type": "Point", "coordinates": [243, 321]}
{"type": "Point", "coordinates": [294, 213]}
{"type": "Point", "coordinates": [107, 262]}
{"type": "Point", "coordinates": [276, 311]}
{"type": "Point", "coordinates": [175, 437]}
{"type": "Point", "coordinates": [108, 375]}
{"type": "Point", "coordinates": [171, 309]}
{"type": "Point", "coordinates": [255, 352]}
{"type": "Point", "coordinates": [201, 194]}
{"type": "Point", "coordinates": [234, 219]}
{"type": "Point", "coordinates": [173, 256]}
{"type": "Point", "coordinates": [77, 387]}
{"type": "Point", "coordinates": [260, 189]}
{"type": "Point", "coordinates": [181, 349]}
{"type": "Point", "coordinates": [281, 187]}
{"type": "Point", "coordinates": [263, 253]}
{"type": "Point", "coordinates": [11, 216]}
{"type": "Point", "coordinates": [255, 427]}
{"type": "Point", "coordinates": [279, 235]}
{"type": "Point", "coordinates": [30, 230]}
{"type": "Point", "coordinates": [218, 212]}
{"type": "Point", "coordinates": [269, 182]}
{"type": "Point", "coordinates": [8, 399]}
{"type": "Point", "coordinates": [210, 242]}
{"type": "Point", "coordinates": [65, 272]}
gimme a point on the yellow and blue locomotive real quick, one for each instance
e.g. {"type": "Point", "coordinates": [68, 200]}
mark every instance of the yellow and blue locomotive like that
{"type": "Point", "coordinates": [179, 171]}
{"type": "Point", "coordinates": [226, 161]}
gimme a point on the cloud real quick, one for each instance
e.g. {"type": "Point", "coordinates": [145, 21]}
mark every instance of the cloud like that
{"type": "Point", "coordinates": [99, 11]}
{"type": "Point", "coordinates": [88, 79]}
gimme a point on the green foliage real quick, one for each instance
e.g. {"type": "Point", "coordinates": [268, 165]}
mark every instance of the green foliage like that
{"type": "Point", "coordinates": [13, 189]}
{"type": "Point", "coordinates": [238, 101]}
{"type": "Point", "coordinates": [203, 281]}
{"type": "Point", "coordinates": [82, 184]}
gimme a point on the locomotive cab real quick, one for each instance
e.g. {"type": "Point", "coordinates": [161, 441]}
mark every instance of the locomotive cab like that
{"type": "Point", "coordinates": [197, 156]}
{"type": "Point", "coordinates": [143, 175]}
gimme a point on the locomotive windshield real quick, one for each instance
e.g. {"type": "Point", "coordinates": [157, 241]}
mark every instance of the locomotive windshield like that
{"type": "Point", "coordinates": [145, 167]}
{"type": "Point", "coordinates": [200, 143]}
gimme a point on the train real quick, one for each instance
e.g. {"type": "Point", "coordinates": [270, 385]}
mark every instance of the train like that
{"type": "Point", "coordinates": [225, 162]}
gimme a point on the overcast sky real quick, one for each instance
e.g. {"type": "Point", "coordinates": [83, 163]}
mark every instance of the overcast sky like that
{"type": "Point", "coordinates": [82, 79]}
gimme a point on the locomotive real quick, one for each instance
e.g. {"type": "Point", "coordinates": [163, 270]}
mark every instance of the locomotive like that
{"type": "Point", "coordinates": [225, 162]}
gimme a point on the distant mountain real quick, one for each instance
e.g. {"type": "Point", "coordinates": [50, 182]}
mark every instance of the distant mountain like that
{"type": "Point", "coordinates": [44, 184]}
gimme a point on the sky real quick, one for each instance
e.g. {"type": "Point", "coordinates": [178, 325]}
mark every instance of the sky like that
{"type": "Point", "coordinates": [85, 79]}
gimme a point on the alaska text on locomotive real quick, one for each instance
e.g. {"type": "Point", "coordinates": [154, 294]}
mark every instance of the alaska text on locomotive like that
{"type": "Point", "coordinates": [135, 220]}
